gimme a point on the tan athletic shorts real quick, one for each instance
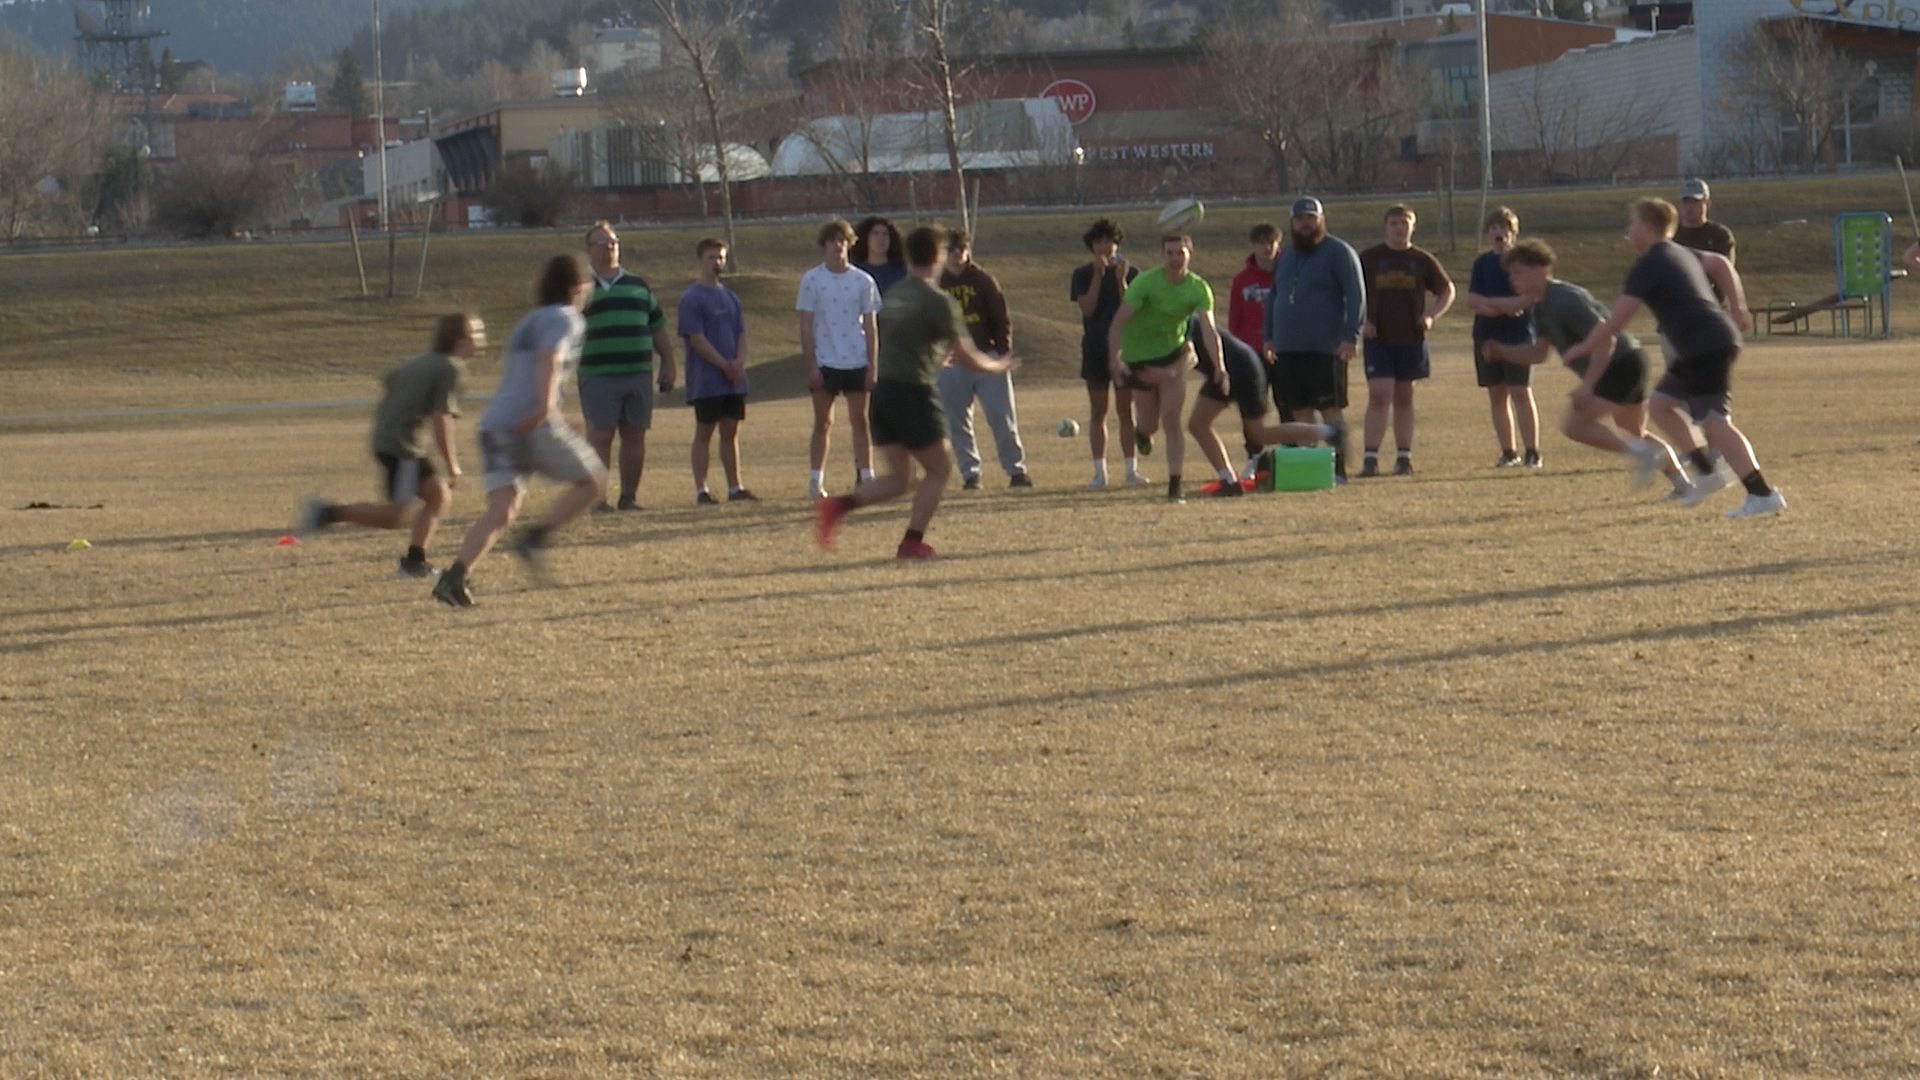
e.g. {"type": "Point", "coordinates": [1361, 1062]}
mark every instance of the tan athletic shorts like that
{"type": "Point", "coordinates": [552, 450]}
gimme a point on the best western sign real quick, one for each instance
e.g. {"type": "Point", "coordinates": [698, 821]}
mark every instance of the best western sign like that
{"type": "Point", "coordinates": [1901, 13]}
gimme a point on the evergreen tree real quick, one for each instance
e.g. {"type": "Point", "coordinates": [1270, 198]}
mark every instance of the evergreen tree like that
{"type": "Point", "coordinates": [171, 77]}
{"type": "Point", "coordinates": [349, 89]}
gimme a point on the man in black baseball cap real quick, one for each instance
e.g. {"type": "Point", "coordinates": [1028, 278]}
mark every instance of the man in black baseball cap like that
{"type": "Point", "coordinates": [1695, 231]}
{"type": "Point", "coordinates": [1314, 315]}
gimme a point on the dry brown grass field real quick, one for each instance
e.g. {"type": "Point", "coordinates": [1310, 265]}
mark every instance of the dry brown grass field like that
{"type": "Point", "coordinates": [1473, 774]}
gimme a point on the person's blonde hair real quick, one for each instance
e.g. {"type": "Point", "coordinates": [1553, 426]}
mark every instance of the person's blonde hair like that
{"type": "Point", "coordinates": [1659, 214]}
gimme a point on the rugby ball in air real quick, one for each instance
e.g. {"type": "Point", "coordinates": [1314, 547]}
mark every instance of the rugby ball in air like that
{"type": "Point", "coordinates": [1182, 213]}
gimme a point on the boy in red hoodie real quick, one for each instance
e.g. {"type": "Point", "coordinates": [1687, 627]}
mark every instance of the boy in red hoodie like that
{"type": "Point", "coordinates": [1247, 306]}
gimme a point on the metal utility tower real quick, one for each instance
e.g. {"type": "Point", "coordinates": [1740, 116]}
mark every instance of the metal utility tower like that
{"type": "Point", "coordinates": [118, 47]}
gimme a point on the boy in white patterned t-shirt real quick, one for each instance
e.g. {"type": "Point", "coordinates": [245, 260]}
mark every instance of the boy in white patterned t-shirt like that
{"type": "Point", "coordinates": [841, 344]}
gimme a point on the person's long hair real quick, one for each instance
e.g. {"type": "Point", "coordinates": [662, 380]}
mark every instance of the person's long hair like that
{"type": "Point", "coordinates": [857, 254]}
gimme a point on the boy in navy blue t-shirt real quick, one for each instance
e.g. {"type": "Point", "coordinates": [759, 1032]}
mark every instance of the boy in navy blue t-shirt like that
{"type": "Point", "coordinates": [1499, 315]}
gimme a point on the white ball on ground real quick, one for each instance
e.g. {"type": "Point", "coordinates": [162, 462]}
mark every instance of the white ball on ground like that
{"type": "Point", "coordinates": [1068, 428]}
{"type": "Point", "coordinates": [1182, 213]}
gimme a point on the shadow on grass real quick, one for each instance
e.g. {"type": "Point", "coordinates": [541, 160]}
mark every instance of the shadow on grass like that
{"type": "Point", "coordinates": [1711, 629]}
{"type": "Point", "coordinates": [1399, 607]}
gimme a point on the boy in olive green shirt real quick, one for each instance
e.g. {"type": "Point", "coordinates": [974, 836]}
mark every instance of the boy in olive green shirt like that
{"type": "Point", "coordinates": [421, 392]}
{"type": "Point", "coordinates": [1148, 351]}
{"type": "Point", "coordinates": [921, 329]}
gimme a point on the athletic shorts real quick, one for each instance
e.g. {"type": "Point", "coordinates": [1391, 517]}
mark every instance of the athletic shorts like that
{"type": "Point", "coordinates": [552, 450]}
{"type": "Point", "coordinates": [1176, 356]}
{"type": "Point", "coordinates": [905, 414]}
{"type": "Point", "coordinates": [617, 401]}
{"type": "Point", "coordinates": [403, 476]}
{"type": "Point", "coordinates": [1246, 387]}
{"type": "Point", "coordinates": [1093, 366]}
{"type": "Point", "coordinates": [837, 381]}
{"type": "Point", "coordinates": [1401, 363]}
{"type": "Point", "coordinates": [1499, 372]}
{"type": "Point", "coordinates": [1310, 380]}
{"type": "Point", "coordinates": [1625, 380]}
{"type": "Point", "coordinates": [712, 410]}
{"type": "Point", "coordinates": [1705, 383]}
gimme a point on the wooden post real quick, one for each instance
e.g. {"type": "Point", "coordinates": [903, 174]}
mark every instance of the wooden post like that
{"type": "Point", "coordinates": [353, 233]}
{"type": "Point", "coordinates": [420, 280]}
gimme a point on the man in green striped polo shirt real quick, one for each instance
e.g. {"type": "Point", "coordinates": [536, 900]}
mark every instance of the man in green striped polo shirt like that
{"type": "Point", "coordinates": [626, 331]}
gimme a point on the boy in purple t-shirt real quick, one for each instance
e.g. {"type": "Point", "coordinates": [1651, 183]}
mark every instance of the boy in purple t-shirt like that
{"type": "Point", "coordinates": [715, 330]}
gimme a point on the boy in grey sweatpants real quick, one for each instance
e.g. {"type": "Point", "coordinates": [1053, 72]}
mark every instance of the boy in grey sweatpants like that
{"type": "Point", "coordinates": [985, 309]}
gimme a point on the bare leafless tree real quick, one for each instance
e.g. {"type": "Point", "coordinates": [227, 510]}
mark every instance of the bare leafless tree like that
{"type": "Point", "coordinates": [934, 24]}
{"type": "Point", "coordinates": [1783, 98]}
{"type": "Point", "coordinates": [855, 87]}
{"type": "Point", "coordinates": [713, 35]}
{"type": "Point", "coordinates": [1571, 134]}
{"type": "Point", "coordinates": [1259, 80]}
{"type": "Point", "coordinates": [51, 127]}
{"type": "Point", "coordinates": [1334, 105]}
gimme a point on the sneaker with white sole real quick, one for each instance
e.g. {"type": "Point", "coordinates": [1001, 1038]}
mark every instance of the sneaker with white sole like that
{"type": "Point", "coordinates": [1705, 486]}
{"type": "Point", "coordinates": [1647, 458]}
{"type": "Point", "coordinates": [816, 490]}
{"type": "Point", "coordinates": [1138, 479]}
{"type": "Point", "coordinates": [1759, 505]}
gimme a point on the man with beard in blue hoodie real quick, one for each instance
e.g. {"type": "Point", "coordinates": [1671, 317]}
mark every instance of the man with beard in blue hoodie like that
{"type": "Point", "coordinates": [1314, 316]}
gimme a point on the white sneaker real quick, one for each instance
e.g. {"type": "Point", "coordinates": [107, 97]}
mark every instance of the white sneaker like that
{"type": "Point", "coordinates": [816, 490]}
{"type": "Point", "coordinates": [1138, 479]}
{"type": "Point", "coordinates": [1647, 456]}
{"type": "Point", "coordinates": [1704, 486]}
{"type": "Point", "coordinates": [1252, 468]}
{"type": "Point", "coordinates": [1099, 481]}
{"type": "Point", "coordinates": [1758, 505]}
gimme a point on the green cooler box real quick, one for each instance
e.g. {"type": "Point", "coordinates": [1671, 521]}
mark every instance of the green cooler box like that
{"type": "Point", "coordinates": [1294, 468]}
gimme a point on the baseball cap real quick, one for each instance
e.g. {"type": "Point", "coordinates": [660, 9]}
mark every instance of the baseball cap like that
{"type": "Point", "coordinates": [1694, 189]}
{"type": "Point", "coordinates": [1307, 204]}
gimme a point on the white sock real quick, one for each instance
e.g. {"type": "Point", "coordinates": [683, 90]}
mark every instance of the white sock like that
{"type": "Point", "coordinates": [1326, 430]}
{"type": "Point", "coordinates": [1133, 466]}
{"type": "Point", "coordinates": [818, 476]}
{"type": "Point", "coordinates": [701, 490]}
{"type": "Point", "coordinates": [1679, 481]}
{"type": "Point", "coordinates": [734, 489]}
{"type": "Point", "coordinates": [1100, 468]}
{"type": "Point", "coordinates": [866, 475]}
{"type": "Point", "coordinates": [1228, 476]}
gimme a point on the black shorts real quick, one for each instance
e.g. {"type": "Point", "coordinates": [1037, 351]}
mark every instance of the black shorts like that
{"type": "Point", "coordinates": [905, 414]}
{"type": "Point", "coordinates": [1625, 380]}
{"type": "Point", "coordinates": [712, 410]}
{"type": "Point", "coordinates": [1133, 382]}
{"type": "Point", "coordinates": [1093, 366]}
{"type": "Point", "coordinates": [1498, 372]}
{"type": "Point", "coordinates": [837, 381]}
{"type": "Point", "coordinates": [402, 476]}
{"type": "Point", "coordinates": [1401, 363]}
{"type": "Point", "coordinates": [1308, 380]}
{"type": "Point", "coordinates": [1705, 383]}
{"type": "Point", "coordinates": [1246, 387]}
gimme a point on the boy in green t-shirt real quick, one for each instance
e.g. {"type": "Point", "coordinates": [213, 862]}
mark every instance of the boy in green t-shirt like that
{"type": "Point", "coordinates": [921, 329]}
{"type": "Point", "coordinates": [1148, 351]}
{"type": "Point", "coordinates": [420, 393]}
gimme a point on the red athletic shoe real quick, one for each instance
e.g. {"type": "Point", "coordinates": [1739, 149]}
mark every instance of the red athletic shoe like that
{"type": "Point", "coordinates": [829, 512]}
{"type": "Point", "coordinates": [915, 549]}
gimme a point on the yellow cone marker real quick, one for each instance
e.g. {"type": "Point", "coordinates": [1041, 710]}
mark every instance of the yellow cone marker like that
{"type": "Point", "coordinates": [79, 544]}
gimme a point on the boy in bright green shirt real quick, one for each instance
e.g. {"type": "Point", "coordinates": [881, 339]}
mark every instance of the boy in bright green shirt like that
{"type": "Point", "coordinates": [1148, 351]}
